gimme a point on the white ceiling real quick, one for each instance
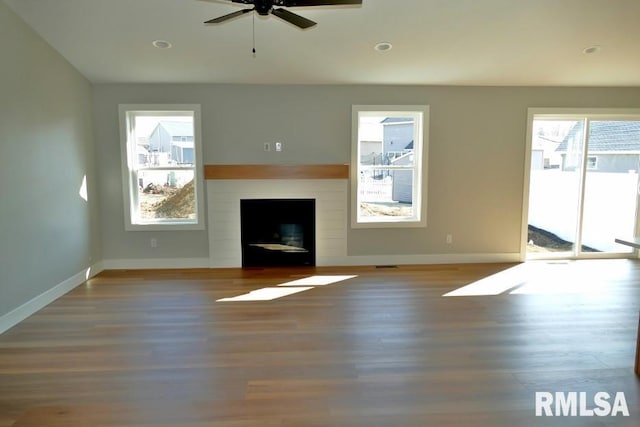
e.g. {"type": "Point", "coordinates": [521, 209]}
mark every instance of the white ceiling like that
{"type": "Point", "coordinates": [435, 42]}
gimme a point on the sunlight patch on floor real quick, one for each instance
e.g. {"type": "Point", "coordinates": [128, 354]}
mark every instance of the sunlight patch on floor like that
{"type": "Point", "coordinates": [266, 294]}
{"type": "Point", "coordinates": [556, 278]}
{"type": "Point", "coordinates": [317, 281]}
{"type": "Point", "coordinates": [495, 284]}
{"type": "Point", "coordinates": [539, 278]}
{"type": "Point", "coordinates": [287, 288]}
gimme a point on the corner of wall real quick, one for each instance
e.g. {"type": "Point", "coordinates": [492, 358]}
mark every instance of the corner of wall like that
{"type": "Point", "coordinates": [19, 314]}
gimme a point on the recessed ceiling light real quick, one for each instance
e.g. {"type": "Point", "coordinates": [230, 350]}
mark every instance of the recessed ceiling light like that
{"type": "Point", "coordinates": [591, 49]}
{"type": "Point", "coordinates": [162, 44]}
{"type": "Point", "coordinates": [383, 46]}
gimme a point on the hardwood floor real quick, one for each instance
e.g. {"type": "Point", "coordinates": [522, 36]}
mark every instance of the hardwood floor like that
{"type": "Point", "coordinates": [384, 348]}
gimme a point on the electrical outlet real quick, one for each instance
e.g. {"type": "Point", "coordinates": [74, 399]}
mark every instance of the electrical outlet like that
{"type": "Point", "coordinates": [267, 146]}
{"type": "Point", "coordinates": [153, 242]}
{"type": "Point", "coordinates": [278, 146]}
{"type": "Point", "coordinates": [449, 239]}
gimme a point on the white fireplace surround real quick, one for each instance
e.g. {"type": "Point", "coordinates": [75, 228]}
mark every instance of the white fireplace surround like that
{"type": "Point", "coordinates": [223, 202]}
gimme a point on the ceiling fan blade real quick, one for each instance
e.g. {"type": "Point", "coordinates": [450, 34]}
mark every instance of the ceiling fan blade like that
{"type": "Point", "coordinates": [216, 1]}
{"type": "Point", "coordinates": [294, 3]}
{"type": "Point", "coordinates": [292, 18]}
{"type": "Point", "coordinates": [224, 18]}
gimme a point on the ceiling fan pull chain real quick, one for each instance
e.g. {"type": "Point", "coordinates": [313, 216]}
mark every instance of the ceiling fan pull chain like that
{"type": "Point", "coordinates": [254, 33]}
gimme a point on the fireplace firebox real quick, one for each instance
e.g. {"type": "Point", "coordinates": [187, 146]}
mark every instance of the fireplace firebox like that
{"type": "Point", "coordinates": [278, 232]}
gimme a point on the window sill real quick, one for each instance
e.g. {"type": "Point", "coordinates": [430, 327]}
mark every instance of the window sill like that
{"type": "Point", "coordinates": [390, 224]}
{"type": "Point", "coordinates": [165, 227]}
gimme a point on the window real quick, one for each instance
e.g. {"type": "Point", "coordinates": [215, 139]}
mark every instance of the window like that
{"type": "Point", "coordinates": [389, 148]}
{"type": "Point", "coordinates": [162, 167]}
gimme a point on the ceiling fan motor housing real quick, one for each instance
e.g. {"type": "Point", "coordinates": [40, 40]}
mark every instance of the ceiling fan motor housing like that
{"type": "Point", "coordinates": [262, 7]}
{"type": "Point", "coordinates": [266, 7]}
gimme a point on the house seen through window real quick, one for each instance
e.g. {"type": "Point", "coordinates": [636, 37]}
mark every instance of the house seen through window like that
{"type": "Point", "coordinates": [161, 166]}
{"type": "Point", "coordinates": [388, 149]}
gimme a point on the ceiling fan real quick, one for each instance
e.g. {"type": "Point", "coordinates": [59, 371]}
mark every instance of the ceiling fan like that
{"type": "Point", "coordinates": [266, 7]}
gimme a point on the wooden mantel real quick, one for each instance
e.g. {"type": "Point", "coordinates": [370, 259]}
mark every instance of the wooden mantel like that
{"type": "Point", "coordinates": [328, 171]}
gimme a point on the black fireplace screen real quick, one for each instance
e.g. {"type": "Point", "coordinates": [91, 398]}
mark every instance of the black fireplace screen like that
{"type": "Point", "coordinates": [278, 232]}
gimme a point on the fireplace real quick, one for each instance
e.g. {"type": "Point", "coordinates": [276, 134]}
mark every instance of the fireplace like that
{"type": "Point", "coordinates": [278, 232]}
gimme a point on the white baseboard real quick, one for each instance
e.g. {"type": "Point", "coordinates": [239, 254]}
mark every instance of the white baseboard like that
{"type": "Point", "coordinates": [17, 315]}
{"type": "Point", "coordinates": [155, 263]}
{"type": "Point", "coordinates": [417, 259]}
{"type": "Point", "coordinates": [326, 261]}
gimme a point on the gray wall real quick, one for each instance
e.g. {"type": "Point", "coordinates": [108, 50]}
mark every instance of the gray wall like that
{"type": "Point", "coordinates": [48, 233]}
{"type": "Point", "coordinates": [476, 154]}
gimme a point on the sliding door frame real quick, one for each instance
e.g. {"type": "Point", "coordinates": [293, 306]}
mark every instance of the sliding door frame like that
{"type": "Point", "coordinates": [572, 114]}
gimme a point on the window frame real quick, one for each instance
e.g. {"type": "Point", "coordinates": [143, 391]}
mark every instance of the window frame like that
{"type": "Point", "coordinates": [128, 156]}
{"type": "Point", "coordinates": [420, 152]}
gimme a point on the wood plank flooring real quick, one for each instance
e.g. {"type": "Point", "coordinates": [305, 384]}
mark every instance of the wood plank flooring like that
{"type": "Point", "coordinates": [385, 348]}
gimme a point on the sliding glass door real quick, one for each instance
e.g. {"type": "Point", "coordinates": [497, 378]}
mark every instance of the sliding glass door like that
{"type": "Point", "coordinates": [583, 184]}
